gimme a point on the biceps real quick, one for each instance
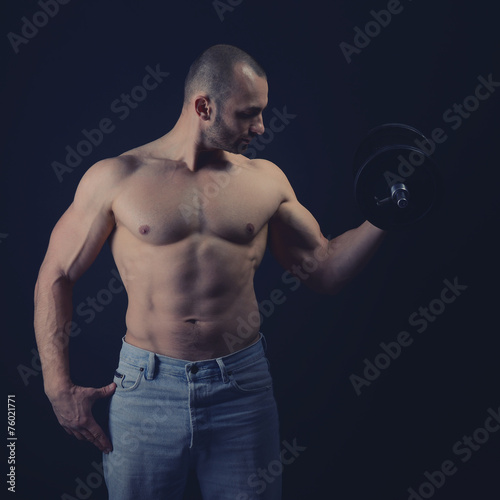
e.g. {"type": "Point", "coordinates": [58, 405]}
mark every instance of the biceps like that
{"type": "Point", "coordinates": [294, 234]}
{"type": "Point", "coordinates": [76, 240]}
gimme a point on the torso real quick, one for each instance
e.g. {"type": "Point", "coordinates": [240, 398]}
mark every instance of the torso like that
{"type": "Point", "coordinates": [187, 245]}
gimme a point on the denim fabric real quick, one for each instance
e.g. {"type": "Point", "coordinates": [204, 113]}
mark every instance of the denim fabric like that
{"type": "Point", "coordinates": [217, 417]}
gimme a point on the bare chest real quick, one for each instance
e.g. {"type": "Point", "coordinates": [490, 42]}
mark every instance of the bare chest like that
{"type": "Point", "coordinates": [160, 211]}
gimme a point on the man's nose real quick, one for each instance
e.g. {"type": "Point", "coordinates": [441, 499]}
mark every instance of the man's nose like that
{"type": "Point", "coordinates": [258, 126]}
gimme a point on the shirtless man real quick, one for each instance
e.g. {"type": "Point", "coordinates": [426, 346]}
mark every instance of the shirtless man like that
{"type": "Point", "coordinates": [188, 266]}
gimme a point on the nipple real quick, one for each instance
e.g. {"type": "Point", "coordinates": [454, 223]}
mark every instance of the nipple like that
{"type": "Point", "coordinates": [144, 229]}
{"type": "Point", "coordinates": [250, 228]}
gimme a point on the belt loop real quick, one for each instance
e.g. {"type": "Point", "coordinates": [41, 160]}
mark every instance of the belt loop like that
{"type": "Point", "coordinates": [264, 343]}
{"type": "Point", "coordinates": [223, 370]}
{"type": "Point", "coordinates": [150, 371]}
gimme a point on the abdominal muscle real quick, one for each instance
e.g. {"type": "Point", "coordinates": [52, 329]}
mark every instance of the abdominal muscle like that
{"type": "Point", "coordinates": [191, 299]}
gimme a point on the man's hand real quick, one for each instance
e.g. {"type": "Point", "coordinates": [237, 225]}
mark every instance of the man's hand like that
{"type": "Point", "coordinates": [73, 409]}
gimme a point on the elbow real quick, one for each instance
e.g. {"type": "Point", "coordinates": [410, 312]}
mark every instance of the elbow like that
{"type": "Point", "coordinates": [39, 284]}
{"type": "Point", "coordinates": [50, 277]}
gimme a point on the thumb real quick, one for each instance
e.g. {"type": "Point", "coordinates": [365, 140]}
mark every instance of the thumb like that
{"type": "Point", "coordinates": [105, 392]}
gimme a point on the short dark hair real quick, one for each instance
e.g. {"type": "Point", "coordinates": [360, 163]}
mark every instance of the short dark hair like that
{"type": "Point", "coordinates": [212, 72]}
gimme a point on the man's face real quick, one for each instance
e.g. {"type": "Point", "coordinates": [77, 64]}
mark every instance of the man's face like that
{"type": "Point", "coordinates": [240, 119]}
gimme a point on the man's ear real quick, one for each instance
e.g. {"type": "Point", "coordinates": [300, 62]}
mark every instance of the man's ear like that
{"type": "Point", "coordinates": [203, 107]}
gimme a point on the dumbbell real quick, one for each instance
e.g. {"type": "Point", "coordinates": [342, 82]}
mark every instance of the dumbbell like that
{"type": "Point", "coordinates": [396, 184]}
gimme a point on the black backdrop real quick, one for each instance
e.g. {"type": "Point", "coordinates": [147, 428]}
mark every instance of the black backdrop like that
{"type": "Point", "coordinates": [65, 76]}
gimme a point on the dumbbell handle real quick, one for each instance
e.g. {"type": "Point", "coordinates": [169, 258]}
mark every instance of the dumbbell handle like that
{"type": "Point", "coordinates": [399, 195]}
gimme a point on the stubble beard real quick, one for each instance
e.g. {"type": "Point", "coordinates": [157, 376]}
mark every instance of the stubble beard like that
{"type": "Point", "coordinates": [220, 136]}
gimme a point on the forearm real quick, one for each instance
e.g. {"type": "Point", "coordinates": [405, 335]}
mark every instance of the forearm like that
{"type": "Point", "coordinates": [53, 310]}
{"type": "Point", "coordinates": [72, 404]}
{"type": "Point", "coordinates": [347, 255]}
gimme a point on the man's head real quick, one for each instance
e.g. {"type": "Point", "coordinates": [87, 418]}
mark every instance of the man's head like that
{"type": "Point", "coordinates": [228, 90]}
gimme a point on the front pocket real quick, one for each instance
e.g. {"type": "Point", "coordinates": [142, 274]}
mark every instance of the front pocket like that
{"type": "Point", "coordinates": [128, 377]}
{"type": "Point", "coordinates": [252, 378]}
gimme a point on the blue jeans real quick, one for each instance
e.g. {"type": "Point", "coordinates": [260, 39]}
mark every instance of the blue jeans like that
{"type": "Point", "coordinates": [217, 417]}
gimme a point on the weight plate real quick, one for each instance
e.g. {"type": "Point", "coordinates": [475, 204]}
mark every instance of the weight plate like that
{"type": "Point", "coordinates": [387, 166]}
{"type": "Point", "coordinates": [383, 136]}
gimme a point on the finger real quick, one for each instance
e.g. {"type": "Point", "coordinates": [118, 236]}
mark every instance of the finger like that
{"type": "Point", "coordinates": [104, 392]}
{"type": "Point", "coordinates": [73, 432]}
{"type": "Point", "coordinates": [78, 435]}
{"type": "Point", "coordinates": [93, 437]}
{"type": "Point", "coordinates": [97, 437]}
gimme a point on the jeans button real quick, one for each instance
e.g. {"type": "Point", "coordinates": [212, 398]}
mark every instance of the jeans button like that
{"type": "Point", "coordinates": [194, 369]}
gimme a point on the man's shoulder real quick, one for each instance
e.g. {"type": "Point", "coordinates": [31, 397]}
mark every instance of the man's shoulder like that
{"type": "Point", "coordinates": [270, 175]}
{"type": "Point", "coordinates": [102, 181]}
{"type": "Point", "coordinates": [262, 166]}
{"type": "Point", "coordinates": [273, 172]}
{"type": "Point", "coordinates": [112, 170]}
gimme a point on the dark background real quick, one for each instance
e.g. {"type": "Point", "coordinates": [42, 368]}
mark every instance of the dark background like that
{"type": "Point", "coordinates": [377, 444]}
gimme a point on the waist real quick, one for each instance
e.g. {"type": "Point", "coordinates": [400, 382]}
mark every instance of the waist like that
{"type": "Point", "coordinates": [153, 362]}
{"type": "Point", "coordinates": [193, 338]}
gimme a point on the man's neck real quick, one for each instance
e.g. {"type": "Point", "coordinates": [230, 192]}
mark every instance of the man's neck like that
{"type": "Point", "coordinates": [184, 144]}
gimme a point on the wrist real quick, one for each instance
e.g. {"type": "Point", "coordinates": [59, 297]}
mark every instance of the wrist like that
{"type": "Point", "coordinates": [55, 390]}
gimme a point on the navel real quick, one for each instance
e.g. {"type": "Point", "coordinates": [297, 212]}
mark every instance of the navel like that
{"type": "Point", "coordinates": [144, 229]}
{"type": "Point", "coordinates": [250, 228]}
